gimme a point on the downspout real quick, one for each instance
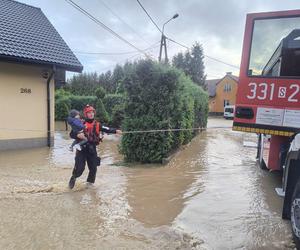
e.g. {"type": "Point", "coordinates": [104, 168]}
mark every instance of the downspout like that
{"type": "Point", "coordinates": [48, 107]}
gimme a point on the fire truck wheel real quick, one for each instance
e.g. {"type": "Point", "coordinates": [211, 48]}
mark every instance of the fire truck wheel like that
{"type": "Point", "coordinates": [295, 214]}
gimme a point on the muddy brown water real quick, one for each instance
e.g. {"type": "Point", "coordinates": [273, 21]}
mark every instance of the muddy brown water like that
{"type": "Point", "coordinates": [211, 195]}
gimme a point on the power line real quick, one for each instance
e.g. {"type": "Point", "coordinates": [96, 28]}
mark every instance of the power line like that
{"type": "Point", "coordinates": [116, 53]}
{"type": "Point", "coordinates": [122, 20]}
{"type": "Point", "coordinates": [104, 53]}
{"type": "Point", "coordinates": [97, 21]}
{"type": "Point", "coordinates": [182, 45]}
{"type": "Point", "coordinates": [209, 57]}
{"type": "Point", "coordinates": [129, 58]}
{"type": "Point", "coordinates": [217, 60]}
{"type": "Point", "coordinates": [171, 130]}
{"type": "Point", "coordinates": [118, 62]}
{"type": "Point", "coordinates": [132, 131]}
{"type": "Point", "coordinates": [149, 16]}
{"type": "Point", "coordinates": [214, 76]}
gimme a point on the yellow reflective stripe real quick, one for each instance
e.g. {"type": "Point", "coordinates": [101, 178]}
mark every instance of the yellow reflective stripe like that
{"type": "Point", "coordinates": [262, 131]}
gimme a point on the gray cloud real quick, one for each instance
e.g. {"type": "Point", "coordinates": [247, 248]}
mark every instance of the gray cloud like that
{"type": "Point", "coordinates": [218, 25]}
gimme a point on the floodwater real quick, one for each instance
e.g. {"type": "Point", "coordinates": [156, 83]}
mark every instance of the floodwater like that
{"type": "Point", "coordinates": [211, 195]}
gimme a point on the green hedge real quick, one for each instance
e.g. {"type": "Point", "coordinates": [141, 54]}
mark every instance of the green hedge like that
{"type": "Point", "coordinates": [78, 102]}
{"type": "Point", "coordinates": [65, 101]}
{"type": "Point", "coordinates": [62, 107]}
{"type": "Point", "coordinates": [112, 100]}
{"type": "Point", "coordinates": [159, 97]}
{"type": "Point", "coordinates": [101, 113]}
{"type": "Point", "coordinates": [114, 105]}
{"type": "Point", "coordinates": [117, 116]}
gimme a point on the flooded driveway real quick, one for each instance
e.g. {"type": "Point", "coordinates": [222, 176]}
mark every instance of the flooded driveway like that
{"type": "Point", "coordinates": [211, 195]}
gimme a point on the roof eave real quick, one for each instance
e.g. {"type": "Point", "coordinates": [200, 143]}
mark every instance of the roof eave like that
{"type": "Point", "coordinates": [72, 68]}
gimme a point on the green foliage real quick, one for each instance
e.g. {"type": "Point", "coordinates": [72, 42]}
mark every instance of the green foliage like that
{"type": "Point", "coordinates": [144, 95]}
{"type": "Point", "coordinates": [101, 113]}
{"type": "Point", "coordinates": [114, 105]}
{"type": "Point", "coordinates": [62, 104]}
{"type": "Point", "coordinates": [117, 78]}
{"type": "Point", "coordinates": [200, 107]}
{"type": "Point", "coordinates": [192, 64]}
{"type": "Point", "coordinates": [78, 102]}
{"type": "Point", "coordinates": [159, 97]}
{"type": "Point", "coordinates": [105, 80]}
{"type": "Point", "coordinates": [61, 93]}
{"type": "Point", "coordinates": [62, 107]}
{"type": "Point", "coordinates": [120, 88]}
{"type": "Point", "coordinates": [83, 84]}
{"type": "Point", "coordinates": [145, 147]}
{"type": "Point", "coordinates": [89, 88]}
{"type": "Point", "coordinates": [65, 101]}
{"type": "Point", "coordinates": [118, 114]}
{"type": "Point", "coordinates": [100, 93]}
{"type": "Point", "coordinates": [112, 100]}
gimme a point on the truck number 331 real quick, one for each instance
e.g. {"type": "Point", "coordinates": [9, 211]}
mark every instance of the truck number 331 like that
{"type": "Point", "coordinates": [264, 91]}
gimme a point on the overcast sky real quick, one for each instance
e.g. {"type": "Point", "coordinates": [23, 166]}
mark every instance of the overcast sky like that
{"type": "Point", "coordinates": [218, 25]}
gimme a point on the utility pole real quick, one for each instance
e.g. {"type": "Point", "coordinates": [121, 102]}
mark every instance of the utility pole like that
{"type": "Point", "coordinates": [163, 41]}
{"type": "Point", "coordinates": [163, 45]}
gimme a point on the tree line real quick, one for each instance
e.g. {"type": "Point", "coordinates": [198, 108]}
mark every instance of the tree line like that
{"type": "Point", "coordinates": [190, 62]}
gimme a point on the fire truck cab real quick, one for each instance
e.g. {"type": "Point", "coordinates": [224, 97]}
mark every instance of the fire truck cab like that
{"type": "Point", "coordinates": [268, 100]}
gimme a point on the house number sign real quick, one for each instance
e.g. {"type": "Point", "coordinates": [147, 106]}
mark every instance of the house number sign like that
{"type": "Point", "coordinates": [25, 90]}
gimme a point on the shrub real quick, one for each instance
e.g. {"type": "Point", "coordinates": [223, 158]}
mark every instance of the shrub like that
{"type": "Point", "coordinates": [101, 113]}
{"type": "Point", "coordinates": [159, 97]}
{"type": "Point", "coordinates": [100, 93]}
{"type": "Point", "coordinates": [118, 114]}
{"type": "Point", "coordinates": [64, 101]}
{"type": "Point", "coordinates": [110, 101]}
{"type": "Point", "coordinates": [61, 93]}
{"type": "Point", "coordinates": [62, 107]}
{"type": "Point", "coordinates": [78, 102]}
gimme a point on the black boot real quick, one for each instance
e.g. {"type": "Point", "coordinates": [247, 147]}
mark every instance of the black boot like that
{"type": "Point", "coordinates": [72, 182]}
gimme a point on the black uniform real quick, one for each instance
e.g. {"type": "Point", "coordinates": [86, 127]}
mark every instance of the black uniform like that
{"type": "Point", "coordinates": [88, 155]}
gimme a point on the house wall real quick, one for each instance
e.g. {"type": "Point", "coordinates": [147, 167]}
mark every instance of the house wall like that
{"type": "Point", "coordinates": [222, 95]}
{"type": "Point", "coordinates": [24, 115]}
{"type": "Point", "coordinates": [212, 104]}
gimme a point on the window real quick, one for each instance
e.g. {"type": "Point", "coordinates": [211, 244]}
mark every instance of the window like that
{"type": "Point", "coordinates": [227, 87]}
{"type": "Point", "coordinates": [226, 103]}
{"type": "Point", "coordinates": [275, 47]}
{"type": "Point", "coordinates": [229, 110]}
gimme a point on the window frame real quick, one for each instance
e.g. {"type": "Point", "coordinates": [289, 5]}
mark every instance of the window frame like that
{"type": "Point", "coordinates": [250, 47]}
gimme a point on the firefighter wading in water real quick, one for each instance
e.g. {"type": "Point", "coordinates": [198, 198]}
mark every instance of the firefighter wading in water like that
{"type": "Point", "coordinates": [88, 154]}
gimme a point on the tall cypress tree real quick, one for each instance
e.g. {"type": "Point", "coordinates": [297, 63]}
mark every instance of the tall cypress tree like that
{"type": "Point", "coordinates": [117, 77]}
{"type": "Point", "coordinates": [192, 64]}
{"type": "Point", "coordinates": [197, 65]}
{"type": "Point", "coordinates": [178, 61]}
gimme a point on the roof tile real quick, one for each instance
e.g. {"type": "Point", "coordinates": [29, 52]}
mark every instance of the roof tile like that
{"type": "Point", "coordinates": [26, 33]}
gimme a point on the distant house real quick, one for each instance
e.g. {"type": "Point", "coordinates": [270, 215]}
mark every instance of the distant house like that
{"type": "Point", "coordinates": [31, 51]}
{"type": "Point", "coordinates": [221, 92]}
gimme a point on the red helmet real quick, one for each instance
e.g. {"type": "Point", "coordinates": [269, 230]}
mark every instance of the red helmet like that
{"type": "Point", "coordinates": [88, 108]}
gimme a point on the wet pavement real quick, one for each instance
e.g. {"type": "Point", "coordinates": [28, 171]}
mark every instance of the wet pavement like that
{"type": "Point", "coordinates": [211, 195]}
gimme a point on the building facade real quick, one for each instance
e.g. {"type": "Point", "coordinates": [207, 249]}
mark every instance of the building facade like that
{"type": "Point", "coordinates": [31, 51]}
{"type": "Point", "coordinates": [222, 92]}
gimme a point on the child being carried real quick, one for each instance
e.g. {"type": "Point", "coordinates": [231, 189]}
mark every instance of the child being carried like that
{"type": "Point", "coordinates": [77, 130]}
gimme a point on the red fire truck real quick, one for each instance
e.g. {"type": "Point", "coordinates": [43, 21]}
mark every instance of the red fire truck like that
{"type": "Point", "coordinates": [268, 100]}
